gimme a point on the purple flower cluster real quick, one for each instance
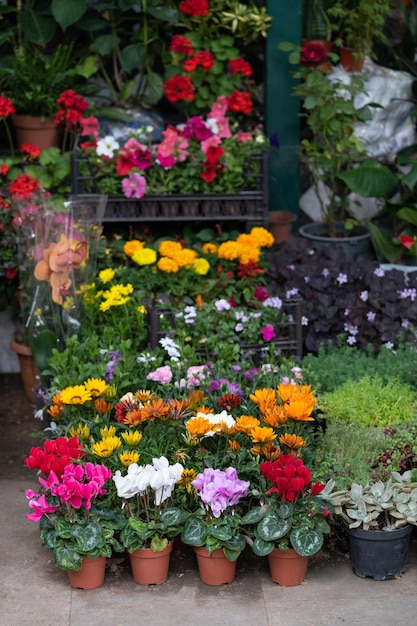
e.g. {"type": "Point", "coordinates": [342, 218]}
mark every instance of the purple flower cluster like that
{"type": "Point", "coordinates": [219, 489]}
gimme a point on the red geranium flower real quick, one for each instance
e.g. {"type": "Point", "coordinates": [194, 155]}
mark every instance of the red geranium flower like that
{"type": "Point", "coordinates": [240, 66]}
{"type": "Point", "coordinates": [181, 45]}
{"type": "Point", "coordinates": [195, 8]}
{"type": "Point", "coordinates": [240, 101]}
{"type": "Point", "coordinates": [179, 88]}
{"type": "Point", "coordinates": [6, 107]}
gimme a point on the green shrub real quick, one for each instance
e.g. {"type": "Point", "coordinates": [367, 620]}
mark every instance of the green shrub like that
{"type": "Point", "coordinates": [370, 401]}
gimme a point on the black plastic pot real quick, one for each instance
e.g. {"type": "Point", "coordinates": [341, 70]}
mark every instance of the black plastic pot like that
{"type": "Point", "coordinates": [353, 244]}
{"type": "Point", "coordinates": [379, 554]}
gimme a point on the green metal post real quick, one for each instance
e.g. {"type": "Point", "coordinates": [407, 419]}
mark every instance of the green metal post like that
{"type": "Point", "coordinates": [281, 108]}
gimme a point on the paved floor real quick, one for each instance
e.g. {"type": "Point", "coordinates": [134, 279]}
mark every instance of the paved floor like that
{"type": "Point", "coordinates": [34, 592]}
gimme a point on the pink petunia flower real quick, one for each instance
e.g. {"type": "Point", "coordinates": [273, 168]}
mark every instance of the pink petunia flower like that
{"type": "Point", "coordinates": [134, 186]}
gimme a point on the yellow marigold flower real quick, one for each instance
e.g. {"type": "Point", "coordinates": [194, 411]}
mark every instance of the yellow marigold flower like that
{"type": "Point", "coordinates": [198, 426]}
{"type": "Point", "coordinates": [185, 257]}
{"type": "Point", "coordinates": [106, 447]}
{"type": "Point", "coordinates": [108, 431]}
{"type": "Point", "coordinates": [262, 236]}
{"type": "Point", "coordinates": [75, 395]}
{"type": "Point", "coordinates": [186, 479]}
{"type": "Point", "coordinates": [249, 254]}
{"type": "Point", "coordinates": [169, 248]}
{"type": "Point", "coordinates": [294, 442]}
{"type": "Point", "coordinates": [261, 434]}
{"type": "Point", "coordinates": [133, 246]}
{"type": "Point", "coordinates": [245, 423]}
{"type": "Point", "coordinates": [107, 275]}
{"type": "Point", "coordinates": [229, 250]}
{"type": "Point", "coordinates": [209, 248]}
{"type": "Point", "coordinates": [102, 406]}
{"type": "Point", "coordinates": [82, 431]}
{"type": "Point", "coordinates": [96, 386]}
{"type": "Point", "coordinates": [142, 309]}
{"type": "Point", "coordinates": [168, 265]}
{"type": "Point", "coordinates": [128, 457]}
{"type": "Point", "coordinates": [234, 445]}
{"type": "Point", "coordinates": [145, 256]}
{"type": "Point", "coordinates": [201, 267]}
{"type": "Point", "coordinates": [132, 438]}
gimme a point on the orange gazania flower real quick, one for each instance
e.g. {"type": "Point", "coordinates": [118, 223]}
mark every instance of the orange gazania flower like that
{"type": "Point", "coordinates": [245, 423]}
{"type": "Point", "coordinates": [198, 426]}
{"type": "Point", "coordinates": [269, 452]}
{"type": "Point", "coordinates": [294, 442]}
{"type": "Point", "coordinates": [229, 401]}
{"type": "Point", "coordinates": [261, 434]}
{"type": "Point", "coordinates": [178, 409]}
{"type": "Point", "coordinates": [155, 409]}
{"type": "Point", "coordinates": [102, 406]}
{"type": "Point", "coordinates": [264, 398]}
{"type": "Point", "coordinates": [275, 416]}
{"type": "Point", "coordinates": [133, 418]}
{"type": "Point", "coordinates": [234, 445]}
{"type": "Point", "coordinates": [300, 410]}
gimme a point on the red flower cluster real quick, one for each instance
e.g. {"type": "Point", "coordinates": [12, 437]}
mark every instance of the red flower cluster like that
{"type": "Point", "coordinates": [179, 88]}
{"type": "Point", "coordinates": [73, 107]}
{"type": "Point", "coordinates": [23, 186]}
{"type": "Point", "coordinates": [240, 66]}
{"type": "Point", "coordinates": [289, 474]}
{"type": "Point", "coordinates": [181, 45]}
{"type": "Point", "coordinates": [240, 101]}
{"type": "Point", "coordinates": [195, 8]}
{"type": "Point", "coordinates": [203, 59]}
{"type": "Point", "coordinates": [6, 107]}
{"type": "Point", "coordinates": [211, 164]}
{"type": "Point", "coordinates": [55, 455]}
{"type": "Point", "coordinates": [249, 270]}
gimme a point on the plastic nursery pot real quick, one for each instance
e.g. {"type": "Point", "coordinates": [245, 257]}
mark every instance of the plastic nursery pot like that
{"type": "Point", "coordinates": [287, 568]}
{"type": "Point", "coordinates": [91, 575]}
{"type": "Point", "coordinates": [149, 567]}
{"type": "Point", "coordinates": [214, 568]}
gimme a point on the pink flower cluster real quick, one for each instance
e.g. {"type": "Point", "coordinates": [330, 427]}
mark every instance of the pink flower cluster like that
{"type": "Point", "coordinates": [219, 489]}
{"type": "Point", "coordinates": [77, 487]}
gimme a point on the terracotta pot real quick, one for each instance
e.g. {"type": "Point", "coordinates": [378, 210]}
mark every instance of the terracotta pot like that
{"type": "Point", "coordinates": [91, 575]}
{"type": "Point", "coordinates": [149, 567]}
{"type": "Point", "coordinates": [281, 225]}
{"type": "Point", "coordinates": [42, 132]}
{"type": "Point", "coordinates": [28, 369]}
{"type": "Point", "coordinates": [351, 60]}
{"type": "Point", "coordinates": [214, 568]}
{"type": "Point", "coordinates": [287, 568]}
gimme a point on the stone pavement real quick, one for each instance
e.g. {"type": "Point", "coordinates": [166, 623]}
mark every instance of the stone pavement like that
{"type": "Point", "coordinates": [33, 592]}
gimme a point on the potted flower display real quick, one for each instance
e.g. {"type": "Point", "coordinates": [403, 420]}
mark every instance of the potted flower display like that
{"type": "Point", "coordinates": [215, 529]}
{"type": "Point", "coordinates": [151, 523]}
{"type": "Point", "coordinates": [74, 520]}
{"type": "Point", "coordinates": [290, 524]}
{"type": "Point", "coordinates": [379, 518]}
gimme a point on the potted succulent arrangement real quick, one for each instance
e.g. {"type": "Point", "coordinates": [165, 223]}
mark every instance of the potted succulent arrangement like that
{"type": "Point", "coordinates": [215, 529]}
{"type": "Point", "coordinates": [151, 524]}
{"type": "Point", "coordinates": [379, 518]}
{"type": "Point", "coordinates": [75, 521]}
{"type": "Point", "coordinates": [290, 523]}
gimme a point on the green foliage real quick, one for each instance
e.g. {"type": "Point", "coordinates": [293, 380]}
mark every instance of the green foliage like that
{"type": "Point", "coordinates": [213, 534]}
{"type": "Point", "coordinates": [370, 402]}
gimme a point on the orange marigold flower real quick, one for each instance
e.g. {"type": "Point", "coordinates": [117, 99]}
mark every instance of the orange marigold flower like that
{"type": "Point", "coordinates": [245, 423]}
{"type": "Point", "coordinates": [133, 246]}
{"type": "Point", "coordinates": [294, 442]}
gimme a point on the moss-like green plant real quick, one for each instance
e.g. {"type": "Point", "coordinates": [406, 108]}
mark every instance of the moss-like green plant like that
{"type": "Point", "coordinates": [370, 401]}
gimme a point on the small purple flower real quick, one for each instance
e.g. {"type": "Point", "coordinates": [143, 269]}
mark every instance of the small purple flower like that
{"type": "Point", "coordinates": [370, 316]}
{"type": "Point", "coordinates": [342, 279]}
{"type": "Point", "coordinates": [291, 292]}
{"type": "Point", "coordinates": [234, 388]}
{"type": "Point", "coordinates": [274, 303]}
{"type": "Point", "coordinates": [364, 296]}
{"type": "Point", "coordinates": [214, 385]}
{"type": "Point", "coordinates": [220, 490]}
{"type": "Point", "coordinates": [325, 272]}
{"type": "Point", "coordinates": [239, 327]}
{"type": "Point", "coordinates": [379, 272]}
{"type": "Point", "coordinates": [304, 321]}
{"type": "Point", "coordinates": [405, 323]}
{"type": "Point", "coordinates": [351, 340]}
{"type": "Point", "coordinates": [222, 305]}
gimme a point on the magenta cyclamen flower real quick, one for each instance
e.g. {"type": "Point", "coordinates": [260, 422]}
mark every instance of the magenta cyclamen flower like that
{"type": "Point", "coordinates": [39, 504]}
{"type": "Point", "coordinates": [220, 490]}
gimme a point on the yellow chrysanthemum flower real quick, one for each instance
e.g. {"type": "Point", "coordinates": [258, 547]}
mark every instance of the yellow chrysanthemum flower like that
{"type": "Point", "coordinates": [82, 431]}
{"type": "Point", "coordinates": [169, 248]}
{"type": "Point", "coordinates": [133, 246]}
{"type": "Point", "coordinates": [75, 395]}
{"type": "Point", "coordinates": [106, 447]}
{"type": "Point", "coordinates": [96, 386]}
{"type": "Point", "coordinates": [132, 438]}
{"type": "Point", "coordinates": [128, 457]}
{"type": "Point", "coordinates": [107, 275]}
{"type": "Point", "coordinates": [144, 256]}
{"type": "Point", "coordinates": [168, 265]}
{"type": "Point", "coordinates": [185, 257]}
{"type": "Point", "coordinates": [108, 431]}
{"type": "Point", "coordinates": [201, 267]}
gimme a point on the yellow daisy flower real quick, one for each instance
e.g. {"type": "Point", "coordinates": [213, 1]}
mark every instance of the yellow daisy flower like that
{"type": "Point", "coordinates": [96, 386]}
{"type": "Point", "coordinates": [108, 431]}
{"type": "Point", "coordinates": [132, 438]}
{"type": "Point", "coordinates": [75, 395]}
{"type": "Point", "coordinates": [106, 447]}
{"type": "Point", "coordinates": [128, 457]}
{"type": "Point", "coordinates": [82, 431]}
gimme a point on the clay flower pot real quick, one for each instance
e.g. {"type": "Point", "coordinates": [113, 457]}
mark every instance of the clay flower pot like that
{"type": "Point", "coordinates": [214, 568]}
{"type": "Point", "coordinates": [287, 568]}
{"type": "Point", "coordinates": [91, 575]}
{"type": "Point", "coordinates": [149, 567]}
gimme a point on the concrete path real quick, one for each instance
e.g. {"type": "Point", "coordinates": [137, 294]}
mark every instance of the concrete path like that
{"type": "Point", "coordinates": [33, 592]}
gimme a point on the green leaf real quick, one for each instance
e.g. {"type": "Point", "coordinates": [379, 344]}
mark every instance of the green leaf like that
{"type": "Point", "coordinates": [261, 547]}
{"type": "Point", "coordinates": [271, 527]}
{"type": "Point", "coordinates": [253, 516]}
{"type": "Point", "coordinates": [105, 44]}
{"type": "Point", "coordinates": [88, 536]}
{"type": "Point", "coordinates": [370, 180]}
{"type": "Point", "coordinates": [67, 13]}
{"type": "Point", "coordinates": [194, 532]}
{"type": "Point", "coordinates": [231, 555]}
{"type": "Point", "coordinates": [67, 558]}
{"type": "Point", "coordinates": [170, 517]}
{"type": "Point", "coordinates": [62, 528]}
{"type": "Point", "coordinates": [384, 248]}
{"type": "Point", "coordinates": [158, 544]}
{"type": "Point", "coordinates": [306, 541]}
{"type": "Point", "coordinates": [408, 214]}
{"type": "Point", "coordinates": [43, 346]}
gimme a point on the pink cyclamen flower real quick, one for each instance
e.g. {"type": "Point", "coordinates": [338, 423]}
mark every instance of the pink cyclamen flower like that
{"type": "Point", "coordinates": [40, 506]}
{"type": "Point", "coordinates": [219, 489]}
{"type": "Point", "coordinates": [268, 332]}
{"type": "Point", "coordinates": [161, 374]}
{"type": "Point", "coordinates": [134, 186]}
